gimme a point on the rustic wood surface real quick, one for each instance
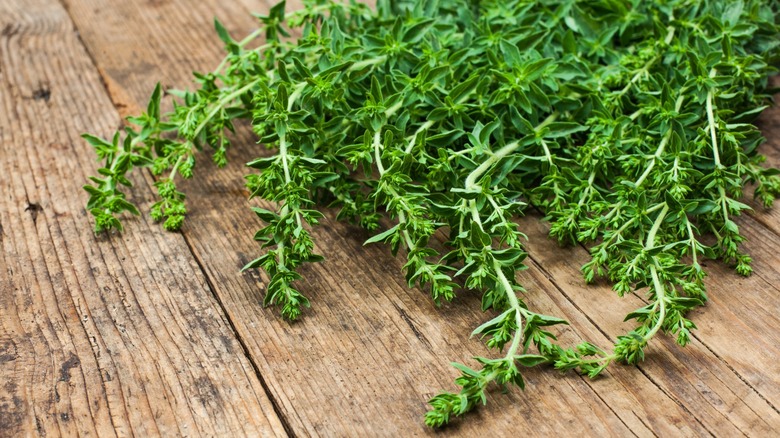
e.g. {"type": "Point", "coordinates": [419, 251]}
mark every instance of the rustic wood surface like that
{"type": "Point", "coordinates": [152, 333]}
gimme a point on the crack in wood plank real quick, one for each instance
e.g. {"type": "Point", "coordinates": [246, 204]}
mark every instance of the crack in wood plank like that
{"type": "Point", "coordinates": [244, 349]}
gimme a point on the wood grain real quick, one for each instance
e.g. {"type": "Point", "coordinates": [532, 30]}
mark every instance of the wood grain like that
{"type": "Point", "coordinates": [370, 352]}
{"type": "Point", "coordinates": [347, 353]}
{"type": "Point", "coordinates": [111, 336]}
{"type": "Point", "coordinates": [770, 127]}
{"type": "Point", "coordinates": [716, 375]}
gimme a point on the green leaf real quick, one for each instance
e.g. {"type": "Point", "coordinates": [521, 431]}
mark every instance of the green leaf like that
{"type": "Point", "coordinates": [153, 108]}
{"type": "Point", "coordinates": [531, 360]}
{"type": "Point", "coordinates": [493, 322]}
{"type": "Point", "coordinates": [563, 129]}
{"type": "Point", "coordinates": [465, 370]}
{"type": "Point", "coordinates": [383, 236]}
{"type": "Point", "coordinates": [265, 215]}
{"type": "Point", "coordinates": [222, 32]}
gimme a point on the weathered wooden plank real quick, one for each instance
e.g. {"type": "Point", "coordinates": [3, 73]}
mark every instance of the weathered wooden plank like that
{"type": "Point", "coordinates": [444, 331]}
{"type": "Point", "coordinates": [114, 336]}
{"type": "Point", "coordinates": [726, 385]}
{"type": "Point", "coordinates": [345, 353]}
{"type": "Point", "coordinates": [770, 127]}
{"type": "Point", "coordinates": [737, 337]}
{"type": "Point", "coordinates": [145, 32]}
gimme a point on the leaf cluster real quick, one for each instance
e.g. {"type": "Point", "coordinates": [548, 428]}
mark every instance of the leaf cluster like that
{"type": "Point", "coordinates": [628, 123]}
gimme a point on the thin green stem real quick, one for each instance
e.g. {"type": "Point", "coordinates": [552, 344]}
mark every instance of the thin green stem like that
{"type": "Point", "coordinates": [495, 157]}
{"type": "Point", "coordinates": [366, 63]}
{"type": "Point", "coordinates": [600, 359]}
{"type": "Point", "coordinates": [249, 38]}
{"type": "Point", "coordinates": [712, 128]}
{"type": "Point", "coordinates": [413, 138]}
{"type": "Point", "coordinates": [297, 92]}
{"type": "Point", "coordinates": [645, 69]}
{"type": "Point", "coordinates": [509, 291]}
{"type": "Point", "coordinates": [283, 154]}
{"type": "Point", "coordinates": [660, 292]}
{"type": "Point", "coordinates": [391, 191]}
{"type": "Point", "coordinates": [661, 147]}
{"type": "Point", "coordinates": [471, 180]}
{"type": "Point", "coordinates": [628, 223]}
{"type": "Point", "coordinates": [660, 295]}
{"type": "Point", "coordinates": [650, 242]}
{"type": "Point", "coordinates": [692, 241]}
{"type": "Point", "coordinates": [221, 104]}
{"type": "Point", "coordinates": [286, 207]}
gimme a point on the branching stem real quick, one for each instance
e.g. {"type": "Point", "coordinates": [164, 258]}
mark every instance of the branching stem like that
{"type": "Point", "coordinates": [495, 157]}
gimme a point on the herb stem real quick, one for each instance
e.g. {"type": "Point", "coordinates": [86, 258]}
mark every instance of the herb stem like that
{"type": "Point", "coordinates": [513, 304]}
{"type": "Point", "coordinates": [226, 59]}
{"type": "Point", "coordinates": [297, 91]}
{"type": "Point", "coordinates": [283, 155]}
{"type": "Point", "coordinates": [509, 291]}
{"type": "Point", "coordinates": [413, 138]}
{"type": "Point", "coordinates": [367, 62]}
{"type": "Point", "coordinates": [692, 241]}
{"type": "Point", "coordinates": [176, 166]}
{"type": "Point", "coordinates": [715, 149]}
{"type": "Point", "coordinates": [627, 223]}
{"type": "Point", "coordinates": [221, 104]}
{"type": "Point", "coordinates": [650, 242]}
{"type": "Point", "coordinates": [711, 126]}
{"type": "Point", "coordinates": [498, 155]}
{"type": "Point", "coordinates": [644, 70]}
{"type": "Point", "coordinates": [547, 153]}
{"type": "Point", "coordinates": [660, 292]}
{"type": "Point", "coordinates": [588, 189]}
{"type": "Point", "coordinates": [392, 192]}
{"type": "Point", "coordinates": [471, 183]}
{"type": "Point", "coordinates": [299, 87]}
{"type": "Point", "coordinates": [660, 295]}
{"type": "Point", "coordinates": [286, 207]}
{"type": "Point", "coordinates": [249, 38]}
{"type": "Point", "coordinates": [607, 358]}
{"type": "Point", "coordinates": [661, 147]}
{"type": "Point", "coordinates": [378, 152]}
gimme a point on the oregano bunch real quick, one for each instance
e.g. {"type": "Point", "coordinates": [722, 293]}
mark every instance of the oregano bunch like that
{"type": "Point", "coordinates": [628, 123]}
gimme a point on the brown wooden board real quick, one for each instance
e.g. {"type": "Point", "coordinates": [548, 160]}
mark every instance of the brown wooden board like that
{"type": "Point", "coordinates": [98, 336]}
{"type": "Point", "coordinates": [370, 353]}
{"type": "Point", "coordinates": [729, 365]}
{"type": "Point", "coordinates": [770, 127]}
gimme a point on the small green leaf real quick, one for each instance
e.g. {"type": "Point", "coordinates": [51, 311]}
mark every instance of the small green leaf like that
{"type": "Point", "coordinates": [383, 236]}
{"type": "Point", "coordinates": [531, 360]}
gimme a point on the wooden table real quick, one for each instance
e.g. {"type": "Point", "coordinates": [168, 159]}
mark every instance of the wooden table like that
{"type": "Point", "coordinates": [154, 333]}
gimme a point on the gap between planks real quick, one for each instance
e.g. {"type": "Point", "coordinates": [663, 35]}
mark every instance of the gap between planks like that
{"type": "Point", "coordinates": [241, 341]}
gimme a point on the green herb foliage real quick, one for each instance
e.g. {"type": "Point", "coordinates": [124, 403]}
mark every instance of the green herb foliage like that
{"type": "Point", "coordinates": [629, 123]}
